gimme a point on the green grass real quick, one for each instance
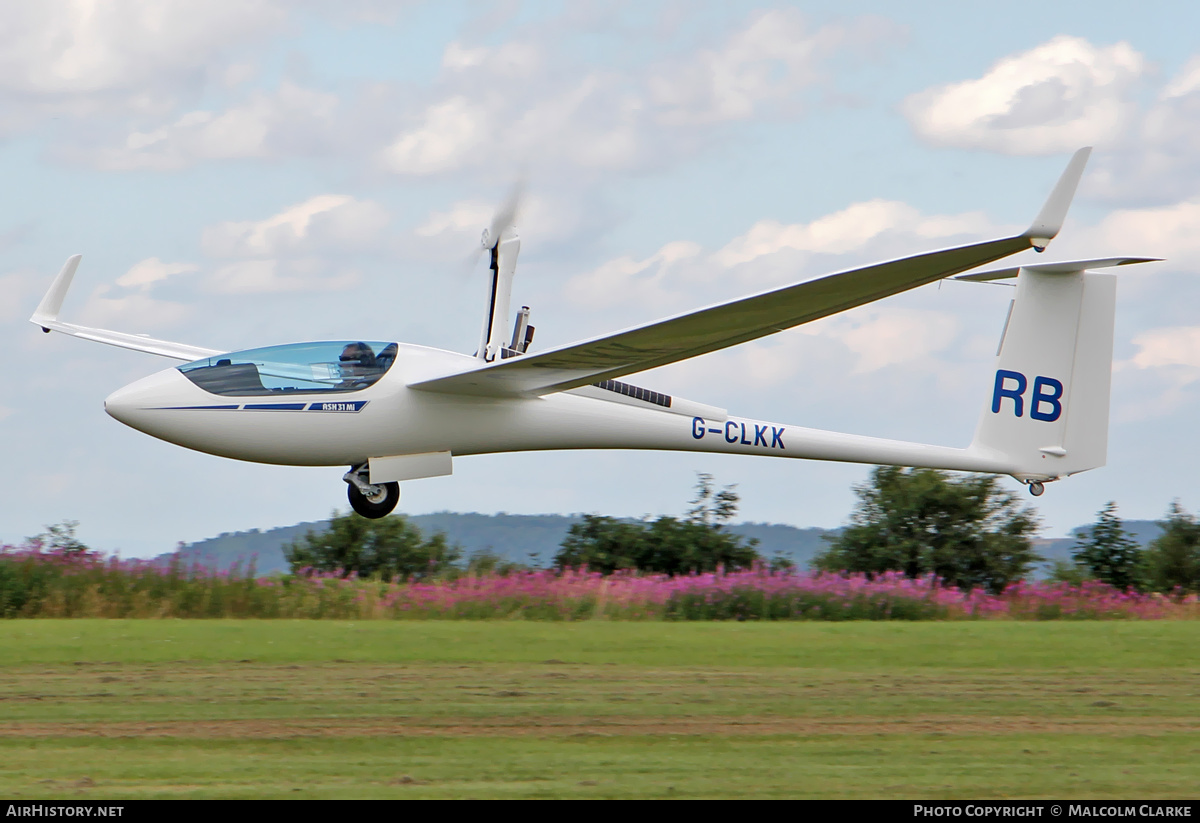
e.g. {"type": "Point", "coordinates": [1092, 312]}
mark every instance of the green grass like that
{"type": "Point", "coordinates": [131, 709]}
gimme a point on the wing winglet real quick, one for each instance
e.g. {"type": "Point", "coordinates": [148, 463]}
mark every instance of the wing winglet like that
{"type": "Point", "coordinates": [1049, 221]}
{"type": "Point", "coordinates": [48, 309]}
{"type": "Point", "coordinates": [46, 316]}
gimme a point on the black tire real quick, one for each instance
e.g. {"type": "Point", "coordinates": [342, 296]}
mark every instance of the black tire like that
{"type": "Point", "coordinates": [377, 508]}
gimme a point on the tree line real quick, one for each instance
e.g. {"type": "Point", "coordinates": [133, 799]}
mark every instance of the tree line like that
{"type": "Point", "coordinates": [966, 530]}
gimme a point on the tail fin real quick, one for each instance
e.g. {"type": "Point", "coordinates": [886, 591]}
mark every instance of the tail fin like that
{"type": "Point", "coordinates": [1047, 414]}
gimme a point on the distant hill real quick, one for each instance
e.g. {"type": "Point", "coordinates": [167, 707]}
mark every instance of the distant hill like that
{"type": "Point", "coordinates": [535, 538]}
{"type": "Point", "coordinates": [523, 538]}
{"type": "Point", "coordinates": [1059, 548]}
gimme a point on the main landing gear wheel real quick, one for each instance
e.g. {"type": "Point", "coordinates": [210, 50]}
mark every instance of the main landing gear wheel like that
{"type": "Point", "coordinates": [378, 501]}
{"type": "Point", "coordinates": [1036, 489]}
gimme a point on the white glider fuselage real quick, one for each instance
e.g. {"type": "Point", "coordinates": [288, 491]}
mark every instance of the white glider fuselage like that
{"type": "Point", "coordinates": [390, 418]}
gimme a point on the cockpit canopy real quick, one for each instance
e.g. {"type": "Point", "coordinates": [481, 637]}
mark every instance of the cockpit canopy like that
{"type": "Point", "coordinates": [308, 368]}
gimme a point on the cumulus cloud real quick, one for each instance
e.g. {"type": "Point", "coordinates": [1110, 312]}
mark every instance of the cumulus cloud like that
{"type": "Point", "coordinates": [1161, 231]}
{"type": "Point", "coordinates": [274, 276]}
{"type": "Point", "coordinates": [131, 312]}
{"type": "Point", "coordinates": [321, 224]}
{"type": "Point", "coordinates": [303, 248]}
{"type": "Point", "coordinates": [647, 282]}
{"type": "Point", "coordinates": [1177, 346]}
{"type": "Point", "coordinates": [1056, 97]}
{"type": "Point", "coordinates": [290, 120]}
{"type": "Point", "coordinates": [152, 270]}
{"type": "Point", "coordinates": [770, 61]}
{"type": "Point", "coordinates": [1068, 93]}
{"type": "Point", "coordinates": [84, 57]}
{"type": "Point", "coordinates": [847, 230]}
{"type": "Point", "coordinates": [887, 337]}
{"type": "Point", "coordinates": [1158, 162]}
{"type": "Point", "coordinates": [526, 100]}
{"type": "Point", "coordinates": [449, 131]}
{"type": "Point", "coordinates": [682, 275]}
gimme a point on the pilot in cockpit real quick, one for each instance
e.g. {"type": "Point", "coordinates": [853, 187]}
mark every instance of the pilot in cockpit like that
{"type": "Point", "coordinates": [358, 365]}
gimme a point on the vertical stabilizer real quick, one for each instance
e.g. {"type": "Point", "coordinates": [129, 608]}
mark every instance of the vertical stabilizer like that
{"type": "Point", "coordinates": [1047, 412]}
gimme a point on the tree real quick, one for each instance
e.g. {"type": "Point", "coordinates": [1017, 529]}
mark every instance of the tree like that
{"type": "Point", "coordinates": [389, 546]}
{"type": "Point", "coordinates": [1172, 560]}
{"type": "Point", "coordinates": [968, 532]}
{"type": "Point", "coordinates": [60, 539]}
{"type": "Point", "coordinates": [1107, 552]}
{"type": "Point", "coordinates": [668, 545]}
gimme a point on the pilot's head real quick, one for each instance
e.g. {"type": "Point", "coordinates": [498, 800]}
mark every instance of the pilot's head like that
{"type": "Point", "coordinates": [357, 358]}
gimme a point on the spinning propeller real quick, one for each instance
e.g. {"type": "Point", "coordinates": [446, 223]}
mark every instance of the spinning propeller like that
{"type": "Point", "coordinates": [503, 221]}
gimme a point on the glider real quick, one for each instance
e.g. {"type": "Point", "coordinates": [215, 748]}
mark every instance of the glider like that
{"type": "Point", "coordinates": [397, 411]}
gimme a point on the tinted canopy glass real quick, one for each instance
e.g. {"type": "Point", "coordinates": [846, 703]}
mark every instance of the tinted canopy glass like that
{"type": "Point", "coordinates": [334, 366]}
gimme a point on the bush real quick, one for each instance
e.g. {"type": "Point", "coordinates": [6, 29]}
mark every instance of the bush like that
{"type": "Point", "coordinates": [966, 532]}
{"type": "Point", "coordinates": [388, 547]}
{"type": "Point", "coordinates": [1172, 560]}
{"type": "Point", "coordinates": [667, 545]}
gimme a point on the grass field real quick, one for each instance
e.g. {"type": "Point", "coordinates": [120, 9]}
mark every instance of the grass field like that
{"type": "Point", "coordinates": [159, 708]}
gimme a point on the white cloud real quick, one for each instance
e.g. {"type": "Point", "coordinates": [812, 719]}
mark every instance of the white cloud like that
{"type": "Point", "coordinates": [1159, 162]}
{"type": "Point", "coordinates": [776, 56]}
{"type": "Point", "coordinates": [1056, 97]}
{"type": "Point", "coordinates": [1177, 346]}
{"type": "Point", "coordinates": [274, 276]}
{"type": "Point", "coordinates": [303, 248]}
{"type": "Point", "coordinates": [292, 119]}
{"type": "Point", "coordinates": [847, 230]}
{"type": "Point", "coordinates": [463, 216]}
{"type": "Point", "coordinates": [1186, 82]}
{"type": "Point", "coordinates": [151, 271]}
{"type": "Point", "coordinates": [325, 223]}
{"type": "Point", "coordinates": [89, 57]}
{"type": "Point", "coordinates": [449, 132]}
{"type": "Point", "coordinates": [887, 337]}
{"type": "Point", "coordinates": [1166, 231]}
{"type": "Point", "coordinates": [681, 275]}
{"type": "Point", "coordinates": [134, 312]}
{"type": "Point", "coordinates": [529, 100]}
{"type": "Point", "coordinates": [628, 281]}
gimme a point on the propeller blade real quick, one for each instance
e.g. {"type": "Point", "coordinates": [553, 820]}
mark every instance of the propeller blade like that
{"type": "Point", "coordinates": [504, 219]}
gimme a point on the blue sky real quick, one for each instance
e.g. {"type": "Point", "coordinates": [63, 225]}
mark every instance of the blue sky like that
{"type": "Point", "coordinates": [244, 173]}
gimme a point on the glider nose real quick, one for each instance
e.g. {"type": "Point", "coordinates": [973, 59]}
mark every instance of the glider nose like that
{"type": "Point", "coordinates": [134, 404]}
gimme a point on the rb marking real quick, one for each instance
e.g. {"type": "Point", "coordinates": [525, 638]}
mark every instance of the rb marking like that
{"type": "Point", "coordinates": [1046, 392]}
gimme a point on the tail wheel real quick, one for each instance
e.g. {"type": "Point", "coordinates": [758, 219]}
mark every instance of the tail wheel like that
{"type": "Point", "coordinates": [377, 504]}
{"type": "Point", "coordinates": [1036, 489]}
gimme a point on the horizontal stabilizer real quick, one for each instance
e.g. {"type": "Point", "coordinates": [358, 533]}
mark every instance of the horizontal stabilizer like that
{"type": "Point", "coordinates": [1066, 267]}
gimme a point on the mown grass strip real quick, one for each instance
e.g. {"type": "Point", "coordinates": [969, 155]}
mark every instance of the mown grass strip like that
{"type": "Point", "coordinates": [863, 645]}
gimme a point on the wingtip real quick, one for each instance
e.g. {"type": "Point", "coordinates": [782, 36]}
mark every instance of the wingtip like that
{"type": "Point", "coordinates": [47, 310]}
{"type": "Point", "coordinates": [1049, 221]}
